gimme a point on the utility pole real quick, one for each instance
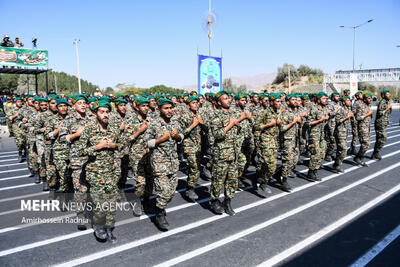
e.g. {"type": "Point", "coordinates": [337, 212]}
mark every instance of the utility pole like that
{"type": "Point", "coordinates": [76, 41]}
{"type": "Point", "coordinates": [289, 78]}
{"type": "Point", "coordinates": [209, 22]}
{"type": "Point", "coordinates": [55, 82]}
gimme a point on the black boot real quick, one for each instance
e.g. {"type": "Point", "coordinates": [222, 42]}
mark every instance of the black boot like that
{"type": "Point", "coordinates": [227, 207]}
{"type": "Point", "coordinates": [357, 160]}
{"type": "Point", "coordinates": [363, 163]}
{"type": "Point", "coordinates": [376, 156]}
{"type": "Point", "coordinates": [328, 158]}
{"type": "Point", "coordinates": [353, 151]}
{"type": "Point", "coordinates": [216, 206]}
{"type": "Point", "coordinates": [52, 194]}
{"type": "Point", "coordinates": [264, 187]}
{"type": "Point", "coordinates": [37, 178]}
{"type": "Point", "coordinates": [311, 176]}
{"type": "Point", "coordinates": [137, 208]}
{"type": "Point", "coordinates": [206, 174]}
{"type": "Point", "coordinates": [337, 168]}
{"type": "Point", "coordinates": [81, 226]}
{"type": "Point", "coordinates": [110, 237]}
{"type": "Point", "coordinates": [316, 176]}
{"type": "Point", "coordinates": [45, 186]}
{"type": "Point", "coordinates": [19, 156]}
{"type": "Point", "coordinates": [100, 234]}
{"type": "Point", "coordinates": [285, 186]}
{"type": "Point", "coordinates": [191, 194]}
{"type": "Point", "coordinates": [161, 221]}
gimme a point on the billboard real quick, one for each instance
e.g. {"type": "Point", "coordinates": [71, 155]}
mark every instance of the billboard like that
{"type": "Point", "coordinates": [353, 84]}
{"type": "Point", "coordinates": [22, 57]}
{"type": "Point", "coordinates": [209, 74]}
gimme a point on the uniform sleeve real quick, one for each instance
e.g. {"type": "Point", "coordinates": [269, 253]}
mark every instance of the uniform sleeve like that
{"type": "Point", "coordinates": [217, 128]}
{"type": "Point", "coordinates": [84, 148]}
{"type": "Point", "coordinates": [284, 125]}
{"type": "Point", "coordinates": [150, 136]}
{"type": "Point", "coordinates": [381, 108]}
{"type": "Point", "coordinates": [185, 122]}
{"type": "Point", "coordinates": [359, 112]}
{"type": "Point", "coordinates": [48, 133]}
{"type": "Point", "coordinates": [64, 138]}
{"type": "Point", "coordinates": [339, 116]}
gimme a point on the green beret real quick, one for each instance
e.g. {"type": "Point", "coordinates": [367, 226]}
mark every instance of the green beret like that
{"type": "Point", "coordinates": [262, 96]}
{"type": "Point", "coordinates": [120, 95]}
{"type": "Point", "coordinates": [321, 94]}
{"type": "Point", "coordinates": [191, 99]}
{"type": "Point", "coordinates": [240, 96]}
{"type": "Point", "coordinates": [78, 97]}
{"type": "Point", "coordinates": [36, 98]}
{"type": "Point", "coordinates": [69, 96]}
{"type": "Point", "coordinates": [347, 90]}
{"type": "Point", "coordinates": [18, 98]}
{"type": "Point", "coordinates": [219, 94]}
{"type": "Point", "coordinates": [105, 98]}
{"type": "Point", "coordinates": [141, 101]}
{"type": "Point", "coordinates": [289, 96]}
{"type": "Point", "coordinates": [119, 101]}
{"type": "Point", "coordinates": [101, 104]}
{"type": "Point", "coordinates": [42, 99]}
{"type": "Point", "coordinates": [334, 93]}
{"type": "Point", "coordinates": [52, 97]}
{"type": "Point", "coordinates": [92, 99]}
{"type": "Point", "coordinates": [384, 92]}
{"type": "Point", "coordinates": [62, 101]}
{"type": "Point", "coordinates": [164, 101]}
{"type": "Point", "coordinates": [254, 93]}
{"type": "Point", "coordinates": [305, 97]}
{"type": "Point", "coordinates": [359, 93]}
{"type": "Point", "coordinates": [29, 96]}
{"type": "Point", "coordinates": [344, 98]}
{"type": "Point", "coordinates": [151, 97]}
{"type": "Point", "coordinates": [366, 95]}
{"type": "Point", "coordinates": [274, 96]}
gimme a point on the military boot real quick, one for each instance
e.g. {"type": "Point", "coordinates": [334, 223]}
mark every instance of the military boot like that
{"type": "Point", "coordinates": [110, 237]}
{"type": "Point", "coordinates": [376, 156]}
{"type": "Point", "coordinates": [240, 183]}
{"type": "Point", "coordinates": [353, 151]}
{"type": "Point", "coordinates": [216, 206]}
{"type": "Point", "coordinates": [328, 158]}
{"type": "Point", "coordinates": [137, 208]}
{"type": "Point", "coordinates": [311, 176]}
{"type": "Point", "coordinates": [363, 163]}
{"type": "Point", "coordinates": [100, 233]}
{"type": "Point", "coordinates": [228, 208]}
{"type": "Point", "coordinates": [206, 174]}
{"type": "Point", "coordinates": [285, 186]}
{"type": "Point", "coordinates": [337, 168]}
{"type": "Point", "coordinates": [161, 221]}
{"type": "Point", "coordinates": [357, 160]}
{"type": "Point", "coordinates": [45, 186]}
{"type": "Point", "coordinates": [191, 194]}
{"type": "Point", "coordinates": [81, 226]}
{"type": "Point", "coordinates": [37, 178]}
{"type": "Point", "coordinates": [19, 156]}
{"type": "Point", "coordinates": [52, 194]}
{"type": "Point", "coordinates": [264, 187]}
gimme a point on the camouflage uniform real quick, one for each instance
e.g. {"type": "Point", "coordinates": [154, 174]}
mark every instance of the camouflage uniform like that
{"type": "Point", "coordinates": [29, 116]}
{"type": "Point", "coordinates": [42, 149]}
{"type": "Point", "coordinates": [341, 133]}
{"type": "Point", "coordinates": [139, 156]}
{"type": "Point", "coordinates": [122, 156]}
{"type": "Point", "coordinates": [69, 126]}
{"type": "Point", "coordinates": [289, 145]}
{"type": "Point", "coordinates": [59, 154]}
{"type": "Point", "coordinates": [245, 142]}
{"type": "Point", "coordinates": [363, 127]}
{"type": "Point", "coordinates": [317, 138]}
{"type": "Point", "coordinates": [163, 160]}
{"type": "Point", "coordinates": [191, 146]}
{"type": "Point", "coordinates": [330, 127]}
{"type": "Point", "coordinates": [381, 122]}
{"type": "Point", "coordinates": [226, 152]}
{"type": "Point", "coordinates": [268, 143]}
{"type": "Point", "coordinates": [18, 132]}
{"type": "Point", "coordinates": [354, 127]}
{"type": "Point", "coordinates": [100, 173]}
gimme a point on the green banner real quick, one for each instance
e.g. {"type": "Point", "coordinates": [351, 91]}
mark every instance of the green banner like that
{"type": "Point", "coordinates": [22, 57]}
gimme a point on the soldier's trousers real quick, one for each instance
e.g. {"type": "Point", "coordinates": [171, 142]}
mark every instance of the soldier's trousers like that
{"type": "Point", "coordinates": [341, 151]}
{"type": "Point", "coordinates": [381, 136]}
{"type": "Point", "coordinates": [193, 163]}
{"type": "Point", "coordinates": [104, 204]}
{"type": "Point", "coordinates": [19, 137]}
{"type": "Point", "coordinates": [122, 170]}
{"type": "Point", "coordinates": [32, 156]}
{"type": "Point", "coordinates": [41, 159]}
{"type": "Point", "coordinates": [51, 175]}
{"type": "Point", "coordinates": [331, 144]}
{"type": "Point", "coordinates": [303, 138]}
{"type": "Point", "coordinates": [248, 148]}
{"type": "Point", "coordinates": [9, 126]}
{"type": "Point", "coordinates": [354, 132]}
{"type": "Point", "coordinates": [79, 188]}
{"type": "Point", "coordinates": [142, 175]}
{"type": "Point", "coordinates": [290, 156]}
{"type": "Point", "coordinates": [63, 173]}
{"type": "Point", "coordinates": [266, 165]}
{"type": "Point", "coordinates": [224, 173]}
{"type": "Point", "coordinates": [364, 137]}
{"type": "Point", "coordinates": [317, 150]}
{"type": "Point", "coordinates": [165, 186]}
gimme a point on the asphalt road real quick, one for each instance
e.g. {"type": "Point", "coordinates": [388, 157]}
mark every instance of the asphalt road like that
{"type": "Point", "coordinates": [345, 218]}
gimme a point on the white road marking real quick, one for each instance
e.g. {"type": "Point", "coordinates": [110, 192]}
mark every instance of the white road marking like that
{"type": "Point", "coordinates": [23, 196]}
{"type": "Point", "coordinates": [14, 177]}
{"type": "Point", "coordinates": [274, 220]}
{"type": "Point", "coordinates": [12, 164]}
{"type": "Point", "coordinates": [378, 248]}
{"type": "Point", "coordinates": [4, 160]}
{"type": "Point", "coordinates": [9, 152]}
{"type": "Point", "coordinates": [16, 170]}
{"type": "Point", "coordinates": [328, 229]}
{"type": "Point", "coordinates": [17, 186]}
{"type": "Point", "coordinates": [130, 245]}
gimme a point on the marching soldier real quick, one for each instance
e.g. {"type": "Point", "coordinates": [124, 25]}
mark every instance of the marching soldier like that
{"type": "Point", "coordinates": [381, 122]}
{"type": "Point", "coordinates": [39, 129]}
{"type": "Point", "coordinates": [354, 127]}
{"type": "Point", "coordinates": [18, 132]}
{"type": "Point", "coordinates": [163, 135]}
{"type": "Point", "coordinates": [332, 106]}
{"type": "Point", "coordinates": [343, 120]}
{"type": "Point", "coordinates": [363, 114]}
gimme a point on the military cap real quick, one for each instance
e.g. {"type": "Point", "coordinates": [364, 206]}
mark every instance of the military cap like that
{"type": "Point", "coordinates": [305, 97]}
{"type": "Point", "coordinates": [191, 99]}
{"type": "Point", "coordinates": [78, 97]}
{"type": "Point", "coordinates": [359, 93]}
{"type": "Point", "coordinates": [219, 94]}
{"type": "Point", "coordinates": [18, 98]}
{"type": "Point", "coordinates": [120, 95]}
{"type": "Point", "coordinates": [366, 95]}
{"type": "Point", "coordinates": [344, 98]}
{"type": "Point", "coordinates": [92, 99]}
{"type": "Point", "coordinates": [347, 90]}
{"type": "Point", "coordinates": [141, 101]}
{"type": "Point", "coordinates": [52, 97]}
{"type": "Point", "coordinates": [42, 99]}
{"type": "Point", "coordinates": [321, 94]}
{"type": "Point", "coordinates": [164, 101]}
{"type": "Point", "coordinates": [62, 101]}
{"type": "Point", "coordinates": [240, 96]}
{"type": "Point", "coordinates": [274, 96]}
{"type": "Point", "coordinates": [101, 104]}
{"type": "Point", "coordinates": [384, 92]}
{"type": "Point", "coordinates": [120, 101]}
{"type": "Point", "coordinates": [334, 93]}
{"type": "Point", "coordinates": [105, 98]}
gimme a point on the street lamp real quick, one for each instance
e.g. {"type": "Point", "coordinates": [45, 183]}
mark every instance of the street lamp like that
{"type": "Point", "coordinates": [354, 35]}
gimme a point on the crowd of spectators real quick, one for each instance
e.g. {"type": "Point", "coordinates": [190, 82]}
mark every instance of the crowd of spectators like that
{"type": "Point", "coordinates": [8, 43]}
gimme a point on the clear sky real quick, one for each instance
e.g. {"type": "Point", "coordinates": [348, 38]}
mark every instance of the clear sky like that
{"type": "Point", "coordinates": [153, 42]}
